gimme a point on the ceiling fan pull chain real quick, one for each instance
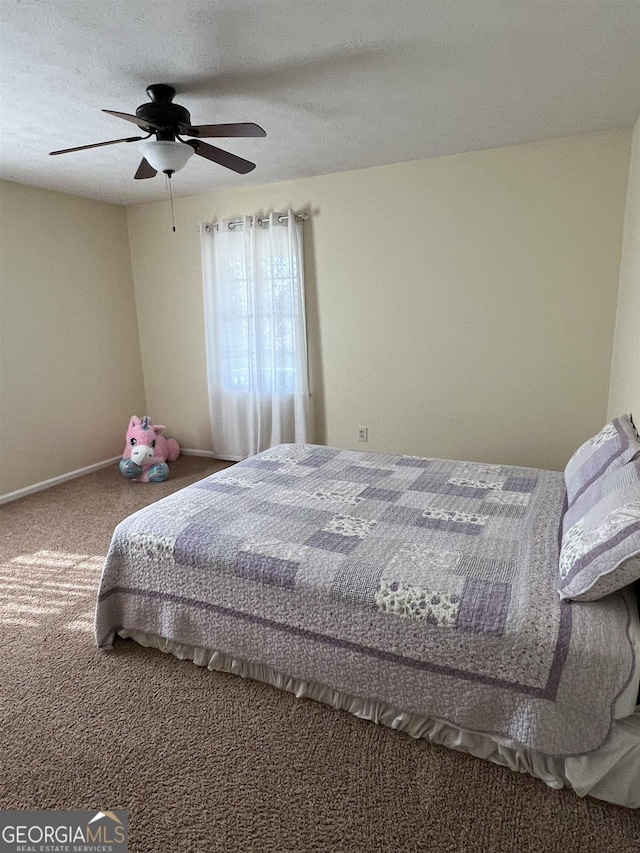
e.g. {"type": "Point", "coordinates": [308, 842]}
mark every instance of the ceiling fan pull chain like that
{"type": "Point", "coordinates": [173, 221]}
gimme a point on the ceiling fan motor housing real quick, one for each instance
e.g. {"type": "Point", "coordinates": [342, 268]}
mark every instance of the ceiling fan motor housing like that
{"type": "Point", "coordinates": [161, 111]}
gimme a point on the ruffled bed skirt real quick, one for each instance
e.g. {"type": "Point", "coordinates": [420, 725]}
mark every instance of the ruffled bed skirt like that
{"type": "Point", "coordinates": [611, 773]}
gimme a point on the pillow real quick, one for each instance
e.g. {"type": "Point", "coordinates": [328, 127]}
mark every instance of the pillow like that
{"type": "Point", "coordinates": [600, 550]}
{"type": "Point", "coordinates": [616, 444]}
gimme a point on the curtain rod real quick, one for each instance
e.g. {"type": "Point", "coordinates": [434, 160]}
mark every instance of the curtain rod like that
{"type": "Point", "coordinates": [258, 220]}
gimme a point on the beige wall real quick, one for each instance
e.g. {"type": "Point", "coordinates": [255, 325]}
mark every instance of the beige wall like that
{"type": "Point", "coordinates": [70, 370]}
{"type": "Point", "coordinates": [624, 392]}
{"type": "Point", "coordinates": [460, 307]}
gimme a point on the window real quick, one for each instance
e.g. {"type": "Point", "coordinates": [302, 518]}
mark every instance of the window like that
{"type": "Point", "coordinates": [255, 334]}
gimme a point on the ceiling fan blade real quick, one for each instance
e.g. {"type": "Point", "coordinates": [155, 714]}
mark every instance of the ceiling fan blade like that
{"type": "Point", "coordinates": [243, 128]}
{"type": "Point", "coordinates": [139, 121]}
{"type": "Point", "coordinates": [97, 145]}
{"type": "Point", "coordinates": [224, 158]}
{"type": "Point", "coordinates": [145, 170]}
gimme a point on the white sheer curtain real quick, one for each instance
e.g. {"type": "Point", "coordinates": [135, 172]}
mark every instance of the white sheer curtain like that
{"type": "Point", "coordinates": [255, 334]}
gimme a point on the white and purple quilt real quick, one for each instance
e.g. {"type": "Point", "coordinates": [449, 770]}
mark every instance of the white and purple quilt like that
{"type": "Point", "coordinates": [427, 584]}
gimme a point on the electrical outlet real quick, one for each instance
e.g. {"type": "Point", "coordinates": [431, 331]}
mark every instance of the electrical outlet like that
{"type": "Point", "coordinates": [363, 433]}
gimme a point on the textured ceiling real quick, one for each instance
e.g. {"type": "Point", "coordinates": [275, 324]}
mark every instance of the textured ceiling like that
{"type": "Point", "coordinates": [337, 84]}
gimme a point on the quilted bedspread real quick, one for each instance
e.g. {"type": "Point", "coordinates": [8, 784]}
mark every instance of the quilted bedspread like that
{"type": "Point", "coordinates": [424, 583]}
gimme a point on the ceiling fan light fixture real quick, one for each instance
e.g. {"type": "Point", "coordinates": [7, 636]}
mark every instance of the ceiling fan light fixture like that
{"type": "Point", "coordinates": [165, 155]}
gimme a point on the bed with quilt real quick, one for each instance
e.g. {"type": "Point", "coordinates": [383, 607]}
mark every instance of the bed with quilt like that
{"type": "Point", "coordinates": [486, 607]}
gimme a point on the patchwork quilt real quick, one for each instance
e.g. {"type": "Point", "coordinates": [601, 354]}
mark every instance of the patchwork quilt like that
{"type": "Point", "coordinates": [428, 584]}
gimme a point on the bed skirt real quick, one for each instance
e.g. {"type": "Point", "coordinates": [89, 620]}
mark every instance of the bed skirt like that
{"type": "Point", "coordinates": [610, 773]}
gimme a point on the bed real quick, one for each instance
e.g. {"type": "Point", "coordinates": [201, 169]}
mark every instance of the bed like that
{"type": "Point", "coordinates": [419, 593]}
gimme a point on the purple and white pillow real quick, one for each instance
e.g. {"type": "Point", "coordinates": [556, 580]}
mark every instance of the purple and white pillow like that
{"type": "Point", "coordinates": [600, 550]}
{"type": "Point", "coordinates": [616, 444]}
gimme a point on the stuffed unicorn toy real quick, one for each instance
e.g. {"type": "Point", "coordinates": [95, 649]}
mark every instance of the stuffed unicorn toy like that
{"type": "Point", "coordinates": [147, 451]}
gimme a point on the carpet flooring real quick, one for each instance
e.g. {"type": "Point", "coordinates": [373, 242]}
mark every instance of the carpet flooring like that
{"type": "Point", "coordinates": [206, 761]}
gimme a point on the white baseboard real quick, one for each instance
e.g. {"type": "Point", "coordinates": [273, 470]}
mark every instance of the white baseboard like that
{"type": "Point", "coordinates": [55, 481]}
{"type": "Point", "coordinates": [208, 453]}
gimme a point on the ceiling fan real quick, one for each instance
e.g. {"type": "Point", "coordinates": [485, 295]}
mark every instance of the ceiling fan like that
{"type": "Point", "coordinates": [168, 122]}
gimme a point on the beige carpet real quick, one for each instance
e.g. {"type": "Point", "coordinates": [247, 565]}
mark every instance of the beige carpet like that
{"type": "Point", "coordinates": [207, 761]}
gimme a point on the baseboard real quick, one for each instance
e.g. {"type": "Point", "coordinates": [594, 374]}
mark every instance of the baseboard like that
{"type": "Point", "coordinates": [55, 481]}
{"type": "Point", "coordinates": [187, 451]}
